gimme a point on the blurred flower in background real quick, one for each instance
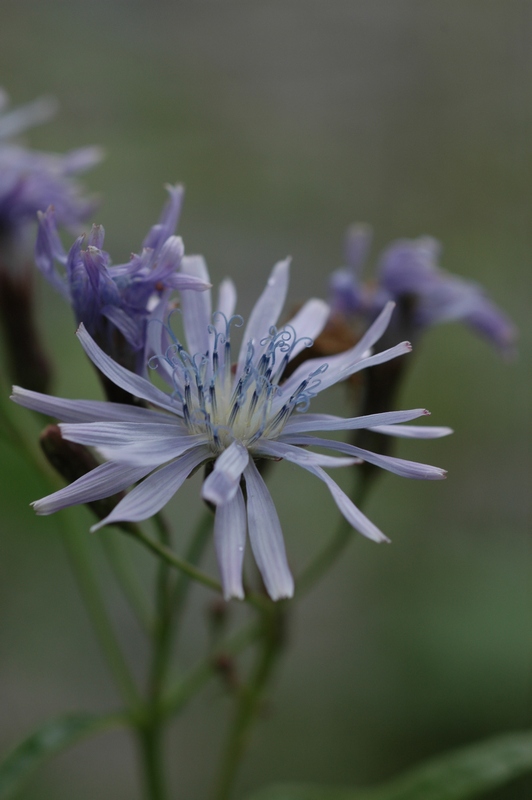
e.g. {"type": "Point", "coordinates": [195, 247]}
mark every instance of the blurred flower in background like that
{"type": "Point", "coordinates": [30, 181]}
{"type": "Point", "coordinates": [408, 272]}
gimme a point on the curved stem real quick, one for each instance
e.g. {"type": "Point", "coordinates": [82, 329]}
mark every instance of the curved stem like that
{"type": "Point", "coordinates": [78, 555]}
{"type": "Point", "coordinates": [249, 699]}
{"type": "Point", "coordinates": [191, 683]}
{"type": "Point", "coordinates": [257, 600]}
{"type": "Point", "coordinates": [126, 578]}
{"type": "Point", "coordinates": [199, 539]}
{"type": "Point", "coordinates": [175, 599]}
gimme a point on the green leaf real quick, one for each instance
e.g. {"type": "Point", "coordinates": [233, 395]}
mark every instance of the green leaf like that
{"type": "Point", "coordinates": [462, 774]}
{"type": "Point", "coordinates": [45, 742]}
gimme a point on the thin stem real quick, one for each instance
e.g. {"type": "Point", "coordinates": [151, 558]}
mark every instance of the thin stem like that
{"type": "Point", "coordinates": [124, 574]}
{"type": "Point", "coordinates": [162, 623]}
{"type": "Point", "coordinates": [174, 560]}
{"type": "Point", "coordinates": [151, 752]}
{"type": "Point", "coordinates": [78, 555]}
{"type": "Point", "coordinates": [249, 699]}
{"type": "Point", "coordinates": [170, 599]}
{"type": "Point", "coordinates": [199, 539]}
{"type": "Point", "coordinates": [257, 600]}
{"type": "Point", "coordinates": [333, 548]}
{"type": "Point", "coordinates": [191, 683]}
{"type": "Point", "coordinates": [152, 731]}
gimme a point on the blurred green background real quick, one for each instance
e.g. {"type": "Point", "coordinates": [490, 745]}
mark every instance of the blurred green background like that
{"type": "Point", "coordinates": [287, 120]}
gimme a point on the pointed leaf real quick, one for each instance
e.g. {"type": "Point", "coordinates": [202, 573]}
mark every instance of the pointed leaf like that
{"type": "Point", "coordinates": [47, 741]}
{"type": "Point", "coordinates": [463, 774]}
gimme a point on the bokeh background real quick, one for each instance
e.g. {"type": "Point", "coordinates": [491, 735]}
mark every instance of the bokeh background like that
{"type": "Point", "coordinates": [287, 120]}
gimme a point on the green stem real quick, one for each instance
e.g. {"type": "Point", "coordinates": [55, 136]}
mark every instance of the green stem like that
{"type": "Point", "coordinates": [249, 699]}
{"type": "Point", "coordinates": [199, 539]}
{"type": "Point", "coordinates": [78, 555]}
{"type": "Point", "coordinates": [151, 752]}
{"type": "Point", "coordinates": [123, 571]}
{"type": "Point", "coordinates": [175, 599]}
{"type": "Point", "coordinates": [197, 677]}
{"type": "Point", "coordinates": [257, 600]}
{"type": "Point", "coordinates": [170, 600]}
{"type": "Point", "coordinates": [152, 730]}
{"type": "Point", "coordinates": [162, 623]}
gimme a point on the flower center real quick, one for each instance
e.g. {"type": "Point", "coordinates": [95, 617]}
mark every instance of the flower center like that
{"type": "Point", "coordinates": [241, 403]}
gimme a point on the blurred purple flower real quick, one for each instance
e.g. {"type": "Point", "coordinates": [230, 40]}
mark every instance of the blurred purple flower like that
{"type": "Point", "coordinates": [227, 416]}
{"type": "Point", "coordinates": [408, 273]}
{"type": "Point", "coordinates": [114, 302]}
{"type": "Point", "coordinates": [30, 181]}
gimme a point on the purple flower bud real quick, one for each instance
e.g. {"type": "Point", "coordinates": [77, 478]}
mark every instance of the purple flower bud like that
{"type": "Point", "coordinates": [115, 302]}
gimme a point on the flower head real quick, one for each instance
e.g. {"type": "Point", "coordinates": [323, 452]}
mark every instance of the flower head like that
{"type": "Point", "coordinates": [114, 302]}
{"type": "Point", "coordinates": [408, 273]}
{"type": "Point", "coordinates": [227, 414]}
{"type": "Point", "coordinates": [30, 181]}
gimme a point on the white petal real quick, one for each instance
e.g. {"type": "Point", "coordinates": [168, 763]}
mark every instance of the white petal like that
{"type": "Point", "coordinates": [157, 341]}
{"type": "Point", "coordinates": [336, 368]}
{"type": "Point", "coordinates": [103, 481]}
{"type": "Point", "coordinates": [152, 451]}
{"type": "Point", "coordinates": [120, 434]}
{"type": "Point", "coordinates": [308, 323]}
{"type": "Point", "coordinates": [353, 515]}
{"type": "Point", "coordinates": [84, 410]}
{"type": "Point", "coordinates": [222, 484]}
{"type": "Point", "coordinates": [399, 466]}
{"type": "Point", "coordinates": [266, 537]}
{"type": "Point", "coordinates": [155, 491]}
{"type": "Point", "coordinates": [227, 298]}
{"type": "Point", "coordinates": [265, 312]}
{"type": "Point", "coordinates": [298, 455]}
{"type": "Point", "coordinates": [300, 423]}
{"type": "Point", "coordinates": [373, 333]}
{"type": "Point", "coordinates": [413, 431]}
{"type": "Point", "coordinates": [230, 541]}
{"type": "Point", "coordinates": [196, 307]}
{"type": "Point", "coordinates": [135, 384]}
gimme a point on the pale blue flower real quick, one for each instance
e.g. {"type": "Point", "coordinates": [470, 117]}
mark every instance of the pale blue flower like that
{"type": "Point", "coordinates": [408, 272]}
{"type": "Point", "coordinates": [228, 414]}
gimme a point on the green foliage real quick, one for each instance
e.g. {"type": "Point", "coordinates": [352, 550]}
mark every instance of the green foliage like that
{"type": "Point", "coordinates": [462, 774]}
{"type": "Point", "coordinates": [45, 742]}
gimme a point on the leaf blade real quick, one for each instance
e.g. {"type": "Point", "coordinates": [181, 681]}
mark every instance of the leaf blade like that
{"type": "Point", "coordinates": [47, 741]}
{"type": "Point", "coordinates": [462, 774]}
